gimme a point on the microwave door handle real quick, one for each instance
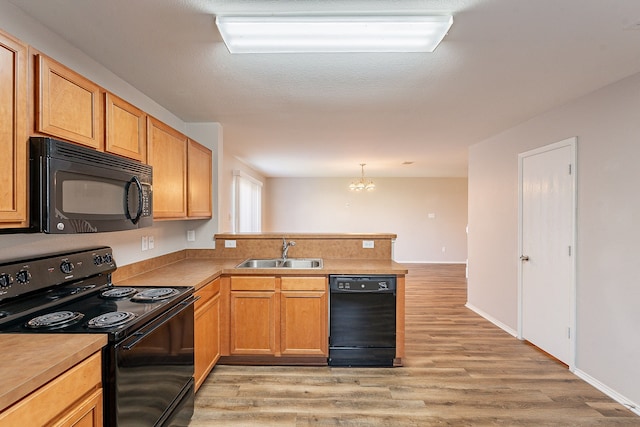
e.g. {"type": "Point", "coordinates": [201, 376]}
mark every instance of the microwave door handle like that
{"type": "Point", "coordinates": [139, 213]}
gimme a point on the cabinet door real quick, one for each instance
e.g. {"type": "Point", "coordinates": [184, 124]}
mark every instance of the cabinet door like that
{"type": "Point", "coordinates": [13, 132]}
{"type": "Point", "coordinates": [125, 129]}
{"type": "Point", "coordinates": [68, 104]}
{"type": "Point", "coordinates": [253, 323]}
{"type": "Point", "coordinates": [304, 323]}
{"type": "Point", "coordinates": [70, 397]}
{"type": "Point", "coordinates": [199, 181]}
{"type": "Point", "coordinates": [86, 414]}
{"type": "Point", "coordinates": [167, 153]}
{"type": "Point", "coordinates": [207, 331]}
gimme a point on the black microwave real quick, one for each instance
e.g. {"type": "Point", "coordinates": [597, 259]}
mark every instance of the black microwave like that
{"type": "Point", "coordinates": [74, 189]}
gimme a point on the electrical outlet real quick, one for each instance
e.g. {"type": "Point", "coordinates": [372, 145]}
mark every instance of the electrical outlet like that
{"type": "Point", "coordinates": [152, 243]}
{"type": "Point", "coordinates": [444, 249]}
{"type": "Point", "coordinates": [368, 244]}
{"type": "Point", "coordinates": [229, 243]}
{"type": "Point", "coordinates": [145, 243]}
{"type": "Point", "coordinates": [191, 236]}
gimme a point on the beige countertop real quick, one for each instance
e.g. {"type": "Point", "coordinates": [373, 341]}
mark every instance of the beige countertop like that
{"type": "Point", "coordinates": [29, 361]}
{"type": "Point", "coordinates": [198, 272]}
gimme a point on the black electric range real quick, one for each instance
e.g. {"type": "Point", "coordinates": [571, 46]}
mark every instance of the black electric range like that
{"type": "Point", "coordinates": [149, 329]}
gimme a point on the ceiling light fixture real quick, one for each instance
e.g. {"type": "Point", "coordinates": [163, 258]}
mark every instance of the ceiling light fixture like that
{"type": "Point", "coordinates": [339, 33]}
{"type": "Point", "coordinates": [362, 183]}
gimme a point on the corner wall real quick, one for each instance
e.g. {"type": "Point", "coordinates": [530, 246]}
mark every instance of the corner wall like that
{"type": "Point", "coordinates": [607, 125]}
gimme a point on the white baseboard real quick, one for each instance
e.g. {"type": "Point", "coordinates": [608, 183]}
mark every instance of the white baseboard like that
{"type": "Point", "coordinates": [491, 319]}
{"type": "Point", "coordinates": [633, 407]}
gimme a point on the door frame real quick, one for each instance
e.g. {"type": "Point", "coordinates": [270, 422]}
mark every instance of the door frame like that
{"type": "Point", "coordinates": [572, 144]}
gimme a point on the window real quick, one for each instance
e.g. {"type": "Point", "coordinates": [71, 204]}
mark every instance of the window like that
{"type": "Point", "coordinates": [247, 203]}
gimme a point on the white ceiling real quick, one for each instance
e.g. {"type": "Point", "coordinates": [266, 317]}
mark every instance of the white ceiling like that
{"type": "Point", "coordinates": [503, 62]}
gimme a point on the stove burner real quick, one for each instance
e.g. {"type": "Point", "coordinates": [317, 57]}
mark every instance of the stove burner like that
{"type": "Point", "coordinates": [113, 318]}
{"type": "Point", "coordinates": [58, 319]}
{"type": "Point", "coordinates": [155, 294]}
{"type": "Point", "coordinates": [115, 293]}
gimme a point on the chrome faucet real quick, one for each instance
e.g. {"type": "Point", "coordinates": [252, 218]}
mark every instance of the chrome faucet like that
{"type": "Point", "coordinates": [285, 247]}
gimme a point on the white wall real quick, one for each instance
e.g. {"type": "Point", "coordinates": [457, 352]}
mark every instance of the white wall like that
{"type": "Point", "coordinates": [169, 236]}
{"type": "Point", "coordinates": [229, 164]}
{"type": "Point", "coordinates": [397, 205]}
{"type": "Point", "coordinates": [607, 124]}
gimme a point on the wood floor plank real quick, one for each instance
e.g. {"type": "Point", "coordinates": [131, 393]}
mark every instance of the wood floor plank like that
{"type": "Point", "coordinates": [459, 370]}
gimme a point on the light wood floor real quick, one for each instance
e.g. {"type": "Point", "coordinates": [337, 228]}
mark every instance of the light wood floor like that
{"type": "Point", "coordinates": [460, 370]}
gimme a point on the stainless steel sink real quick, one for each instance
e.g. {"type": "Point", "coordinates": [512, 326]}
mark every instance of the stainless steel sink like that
{"type": "Point", "coordinates": [293, 263]}
{"type": "Point", "coordinates": [302, 263]}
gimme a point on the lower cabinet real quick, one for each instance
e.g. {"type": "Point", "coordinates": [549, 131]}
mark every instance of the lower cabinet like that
{"type": "Point", "coordinates": [253, 316]}
{"type": "Point", "coordinates": [72, 399]}
{"type": "Point", "coordinates": [304, 316]}
{"type": "Point", "coordinates": [278, 316]}
{"type": "Point", "coordinates": [207, 330]}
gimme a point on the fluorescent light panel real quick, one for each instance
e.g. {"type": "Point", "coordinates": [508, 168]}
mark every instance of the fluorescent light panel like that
{"type": "Point", "coordinates": [317, 34]}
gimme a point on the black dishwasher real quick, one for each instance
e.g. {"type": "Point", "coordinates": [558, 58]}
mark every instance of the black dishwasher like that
{"type": "Point", "coordinates": [362, 320]}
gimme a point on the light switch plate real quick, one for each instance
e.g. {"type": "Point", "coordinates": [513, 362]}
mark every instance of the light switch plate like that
{"type": "Point", "coordinates": [191, 236]}
{"type": "Point", "coordinates": [152, 243]}
{"type": "Point", "coordinates": [145, 243]}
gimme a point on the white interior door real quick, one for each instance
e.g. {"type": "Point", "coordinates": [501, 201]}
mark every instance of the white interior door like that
{"type": "Point", "coordinates": [547, 221]}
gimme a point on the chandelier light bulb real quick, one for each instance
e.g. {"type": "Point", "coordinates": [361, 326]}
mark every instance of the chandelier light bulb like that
{"type": "Point", "coordinates": [362, 184]}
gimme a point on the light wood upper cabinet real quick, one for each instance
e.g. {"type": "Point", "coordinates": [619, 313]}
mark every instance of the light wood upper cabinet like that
{"type": "Point", "coordinates": [167, 153]}
{"type": "Point", "coordinates": [125, 129]}
{"type": "Point", "coordinates": [13, 132]}
{"type": "Point", "coordinates": [68, 104]}
{"type": "Point", "coordinates": [199, 181]}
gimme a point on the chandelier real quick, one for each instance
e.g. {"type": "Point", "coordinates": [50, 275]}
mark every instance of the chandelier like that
{"type": "Point", "coordinates": [362, 183]}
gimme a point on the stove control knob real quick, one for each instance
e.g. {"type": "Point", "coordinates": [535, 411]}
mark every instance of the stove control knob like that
{"type": "Point", "coordinates": [5, 280]}
{"type": "Point", "coordinates": [66, 267]}
{"type": "Point", "coordinates": [97, 260]}
{"type": "Point", "coordinates": [107, 258]}
{"type": "Point", "coordinates": [23, 277]}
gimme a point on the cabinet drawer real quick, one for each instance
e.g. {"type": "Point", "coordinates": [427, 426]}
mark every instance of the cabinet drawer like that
{"type": "Point", "coordinates": [303, 283]}
{"type": "Point", "coordinates": [206, 293]}
{"type": "Point", "coordinates": [56, 397]}
{"type": "Point", "coordinates": [253, 283]}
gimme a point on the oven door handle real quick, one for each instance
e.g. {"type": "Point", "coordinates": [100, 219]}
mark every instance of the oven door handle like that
{"type": "Point", "coordinates": [141, 334]}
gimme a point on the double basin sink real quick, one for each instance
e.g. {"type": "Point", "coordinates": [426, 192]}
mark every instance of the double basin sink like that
{"type": "Point", "coordinates": [291, 263]}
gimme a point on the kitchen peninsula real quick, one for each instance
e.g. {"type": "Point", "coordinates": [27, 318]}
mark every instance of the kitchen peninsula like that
{"type": "Point", "coordinates": [213, 272]}
{"type": "Point", "coordinates": [275, 293]}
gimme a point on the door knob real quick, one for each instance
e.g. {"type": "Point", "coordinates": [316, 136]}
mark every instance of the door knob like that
{"type": "Point", "coordinates": [524, 258]}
